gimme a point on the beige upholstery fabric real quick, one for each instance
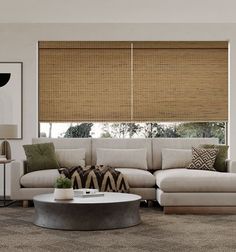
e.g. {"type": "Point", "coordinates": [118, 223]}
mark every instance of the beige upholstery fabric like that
{"type": "Point", "coordinates": [110, 143]}
{"type": "Point", "coordinates": [46, 178]}
{"type": "Point", "coordinates": [187, 180]}
{"type": "Point", "coordinates": [40, 179]}
{"type": "Point", "coordinates": [70, 157]}
{"type": "Point", "coordinates": [196, 199]}
{"type": "Point", "coordinates": [138, 177]}
{"type": "Point", "coordinates": [131, 158]}
{"type": "Point", "coordinates": [176, 158]}
{"type": "Point", "coordinates": [19, 193]}
{"type": "Point", "coordinates": [145, 193]}
{"type": "Point", "coordinates": [175, 143]}
{"type": "Point", "coordinates": [69, 143]}
{"type": "Point", "coordinates": [231, 166]}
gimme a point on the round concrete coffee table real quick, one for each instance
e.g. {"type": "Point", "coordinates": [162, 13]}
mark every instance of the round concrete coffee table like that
{"type": "Point", "coordinates": [113, 210]}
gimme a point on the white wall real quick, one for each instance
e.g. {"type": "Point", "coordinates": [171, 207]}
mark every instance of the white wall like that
{"type": "Point", "coordinates": [117, 11]}
{"type": "Point", "coordinates": [18, 42]}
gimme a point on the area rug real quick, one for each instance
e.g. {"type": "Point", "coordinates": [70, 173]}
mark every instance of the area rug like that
{"type": "Point", "coordinates": [157, 232]}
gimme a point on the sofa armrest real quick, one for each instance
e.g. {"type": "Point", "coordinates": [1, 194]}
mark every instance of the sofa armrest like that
{"type": "Point", "coordinates": [16, 172]}
{"type": "Point", "coordinates": [231, 166]}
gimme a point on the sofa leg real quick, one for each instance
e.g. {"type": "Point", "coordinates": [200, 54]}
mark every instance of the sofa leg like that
{"type": "Point", "coordinates": [25, 203]}
{"type": "Point", "coordinates": [149, 203]}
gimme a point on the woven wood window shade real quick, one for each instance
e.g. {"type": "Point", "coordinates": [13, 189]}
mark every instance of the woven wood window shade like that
{"type": "Point", "coordinates": [133, 81]}
{"type": "Point", "coordinates": [82, 81]}
{"type": "Point", "coordinates": [180, 82]}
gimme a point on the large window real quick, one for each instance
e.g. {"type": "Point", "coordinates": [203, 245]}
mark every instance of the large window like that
{"type": "Point", "coordinates": [101, 85]}
{"type": "Point", "coordinates": [134, 130]}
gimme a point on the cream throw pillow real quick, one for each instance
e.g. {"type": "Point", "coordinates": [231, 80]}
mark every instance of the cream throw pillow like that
{"type": "Point", "coordinates": [70, 157]}
{"type": "Point", "coordinates": [122, 158]}
{"type": "Point", "coordinates": [176, 158]}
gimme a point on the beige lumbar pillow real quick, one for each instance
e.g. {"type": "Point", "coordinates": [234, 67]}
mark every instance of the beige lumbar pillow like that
{"type": "Point", "coordinates": [176, 158]}
{"type": "Point", "coordinates": [122, 158]}
{"type": "Point", "coordinates": [70, 157]}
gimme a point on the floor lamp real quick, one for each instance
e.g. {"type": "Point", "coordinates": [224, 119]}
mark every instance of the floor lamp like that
{"type": "Point", "coordinates": [7, 131]}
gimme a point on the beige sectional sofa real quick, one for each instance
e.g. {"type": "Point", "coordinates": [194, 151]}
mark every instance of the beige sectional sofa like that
{"type": "Point", "coordinates": [174, 189]}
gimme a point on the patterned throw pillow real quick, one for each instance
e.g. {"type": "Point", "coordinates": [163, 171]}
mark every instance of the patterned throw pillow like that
{"type": "Point", "coordinates": [203, 159]}
{"type": "Point", "coordinates": [222, 155]}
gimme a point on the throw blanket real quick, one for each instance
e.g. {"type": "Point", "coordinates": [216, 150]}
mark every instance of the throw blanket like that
{"type": "Point", "coordinates": [103, 178]}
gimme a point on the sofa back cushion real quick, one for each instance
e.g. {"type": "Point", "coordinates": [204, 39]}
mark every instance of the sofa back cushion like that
{"type": "Point", "coordinates": [70, 143]}
{"type": "Point", "coordinates": [70, 157]}
{"type": "Point", "coordinates": [122, 158]}
{"type": "Point", "coordinates": [175, 143]}
{"type": "Point", "coordinates": [176, 158]}
{"type": "Point", "coordinates": [111, 143]}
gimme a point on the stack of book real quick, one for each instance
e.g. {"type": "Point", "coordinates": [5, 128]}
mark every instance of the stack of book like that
{"type": "Point", "coordinates": [86, 193]}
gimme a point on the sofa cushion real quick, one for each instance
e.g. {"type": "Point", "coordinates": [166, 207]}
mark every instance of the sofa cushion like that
{"type": "Point", "coordinates": [125, 158]}
{"type": "Point", "coordinates": [122, 143]}
{"type": "Point", "coordinates": [69, 143]}
{"type": "Point", "coordinates": [70, 157]}
{"type": "Point", "coordinates": [176, 158]}
{"type": "Point", "coordinates": [222, 155]}
{"type": "Point", "coordinates": [187, 180]}
{"type": "Point", "coordinates": [203, 159]}
{"type": "Point", "coordinates": [40, 179]}
{"type": "Point", "coordinates": [175, 143]}
{"type": "Point", "coordinates": [138, 178]}
{"type": "Point", "coordinates": [40, 157]}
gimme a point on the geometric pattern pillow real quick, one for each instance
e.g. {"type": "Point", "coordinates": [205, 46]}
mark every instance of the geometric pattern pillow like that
{"type": "Point", "coordinates": [203, 159]}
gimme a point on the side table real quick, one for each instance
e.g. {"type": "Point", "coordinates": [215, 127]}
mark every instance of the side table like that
{"type": "Point", "coordinates": [4, 200]}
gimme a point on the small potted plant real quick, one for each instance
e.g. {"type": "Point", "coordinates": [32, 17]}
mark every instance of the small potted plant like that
{"type": "Point", "coordinates": [63, 189]}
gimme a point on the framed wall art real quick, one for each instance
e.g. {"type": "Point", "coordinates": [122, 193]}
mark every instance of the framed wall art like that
{"type": "Point", "coordinates": [11, 88]}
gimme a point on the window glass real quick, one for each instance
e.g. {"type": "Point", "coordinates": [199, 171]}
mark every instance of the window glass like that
{"type": "Point", "coordinates": [134, 130]}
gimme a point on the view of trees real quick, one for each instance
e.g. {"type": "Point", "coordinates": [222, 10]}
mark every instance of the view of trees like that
{"type": "Point", "coordinates": [150, 130]}
{"type": "Point", "coordinates": [136, 130]}
{"type": "Point", "coordinates": [80, 130]}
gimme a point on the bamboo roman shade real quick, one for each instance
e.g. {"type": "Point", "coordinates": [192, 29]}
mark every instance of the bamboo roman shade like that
{"type": "Point", "coordinates": [84, 82]}
{"type": "Point", "coordinates": [133, 81]}
{"type": "Point", "coordinates": [180, 84]}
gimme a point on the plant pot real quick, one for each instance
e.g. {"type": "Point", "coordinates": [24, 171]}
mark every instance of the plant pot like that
{"type": "Point", "coordinates": [63, 194]}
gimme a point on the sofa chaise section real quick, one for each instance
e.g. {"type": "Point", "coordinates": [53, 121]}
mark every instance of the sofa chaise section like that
{"type": "Point", "coordinates": [184, 190]}
{"type": "Point", "coordinates": [192, 191]}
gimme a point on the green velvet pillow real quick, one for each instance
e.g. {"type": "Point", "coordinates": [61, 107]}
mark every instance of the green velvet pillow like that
{"type": "Point", "coordinates": [220, 162]}
{"type": "Point", "coordinates": [40, 157]}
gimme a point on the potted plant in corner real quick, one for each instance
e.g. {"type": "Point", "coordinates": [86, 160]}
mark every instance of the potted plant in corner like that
{"type": "Point", "coordinates": [63, 189]}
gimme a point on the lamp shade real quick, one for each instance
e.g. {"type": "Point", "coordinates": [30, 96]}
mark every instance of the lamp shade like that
{"type": "Point", "coordinates": [8, 131]}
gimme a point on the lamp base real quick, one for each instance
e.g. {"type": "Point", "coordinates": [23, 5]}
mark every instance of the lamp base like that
{"type": "Point", "coordinates": [6, 149]}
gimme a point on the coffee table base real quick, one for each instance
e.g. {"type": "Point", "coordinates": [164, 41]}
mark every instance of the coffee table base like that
{"type": "Point", "coordinates": [87, 216]}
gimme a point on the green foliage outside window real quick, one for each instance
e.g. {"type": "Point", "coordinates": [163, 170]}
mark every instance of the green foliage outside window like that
{"type": "Point", "coordinates": [80, 130]}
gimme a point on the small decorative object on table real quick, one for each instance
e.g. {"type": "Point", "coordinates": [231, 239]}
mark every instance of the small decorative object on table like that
{"type": "Point", "coordinates": [63, 189]}
{"type": "Point", "coordinates": [86, 193]}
